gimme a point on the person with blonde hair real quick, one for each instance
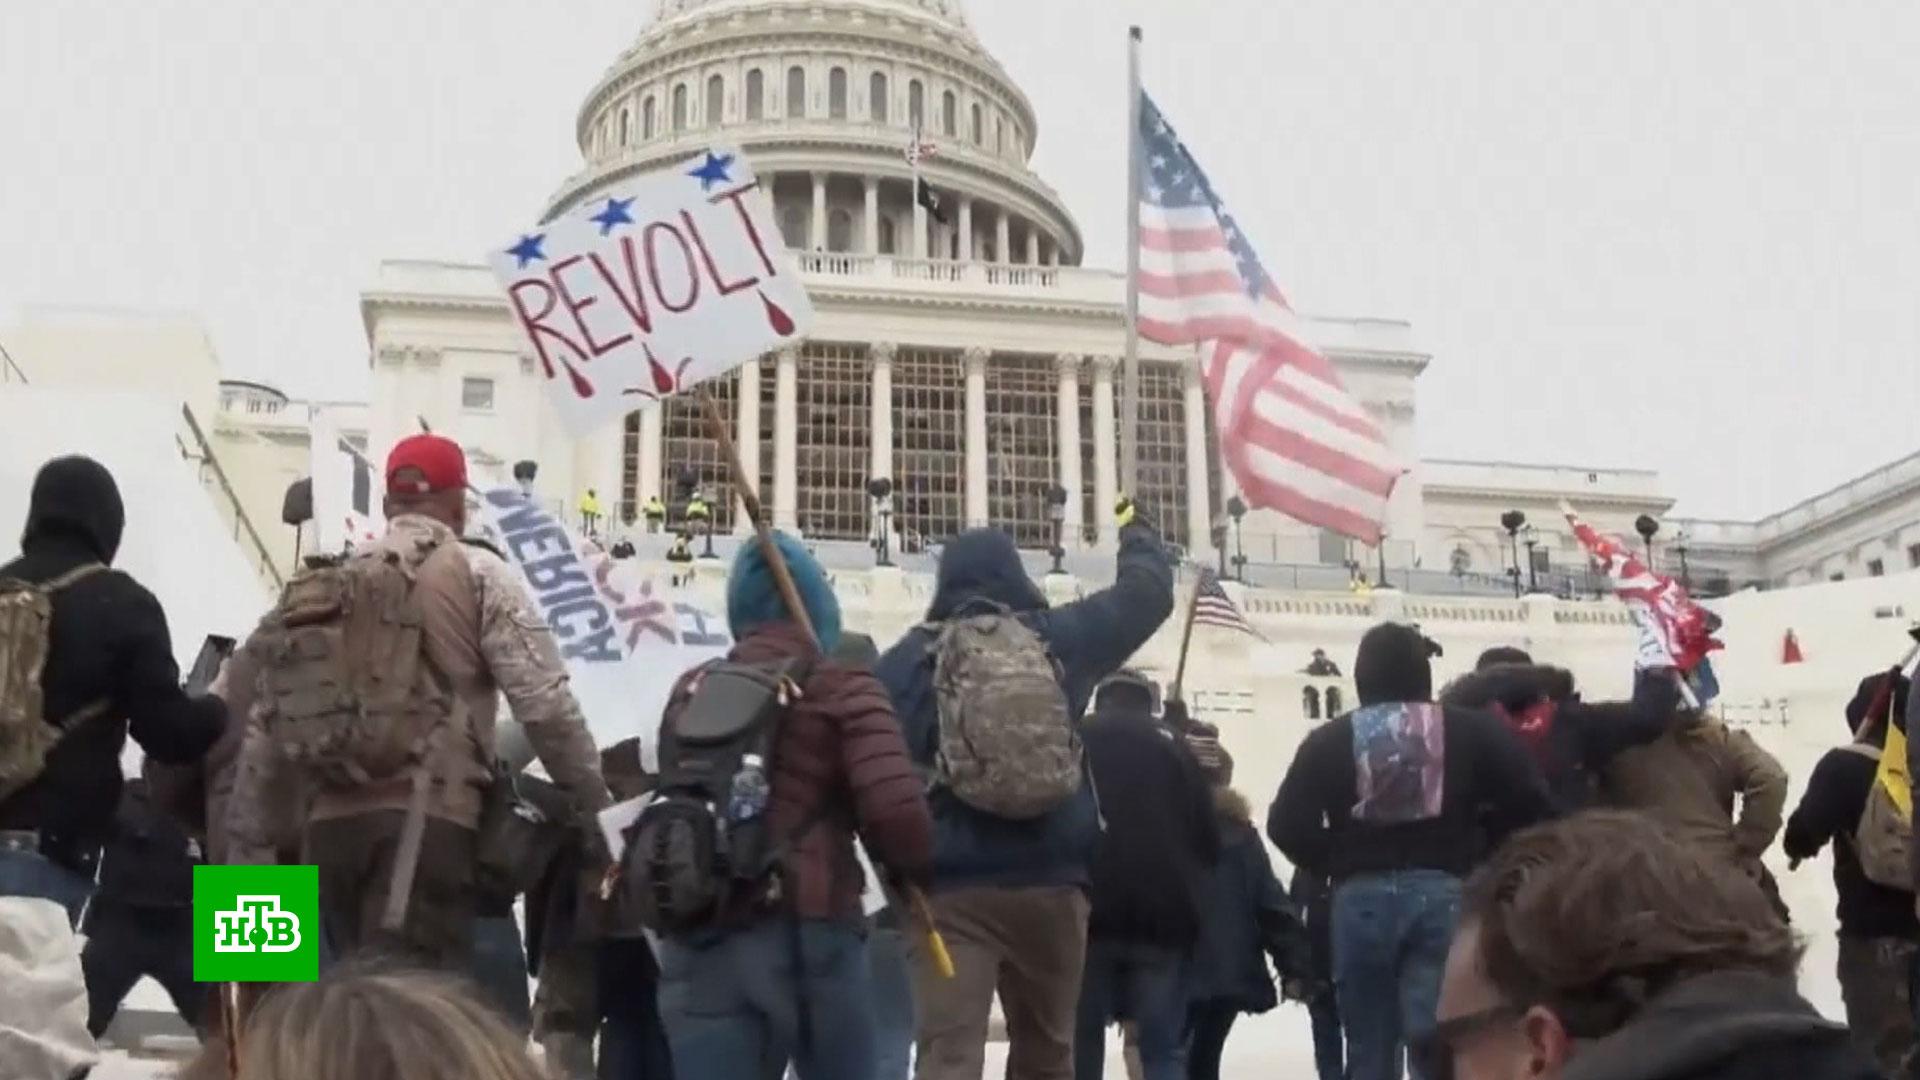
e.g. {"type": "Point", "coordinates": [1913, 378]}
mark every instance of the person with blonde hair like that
{"type": "Point", "coordinates": [371, 1023]}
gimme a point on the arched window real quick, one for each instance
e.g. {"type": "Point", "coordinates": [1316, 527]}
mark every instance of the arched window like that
{"type": "Point", "coordinates": [1310, 702]}
{"type": "Point", "coordinates": [796, 92]}
{"type": "Point", "coordinates": [999, 135]}
{"type": "Point", "coordinates": [626, 121]}
{"type": "Point", "coordinates": [916, 103]}
{"type": "Point", "coordinates": [680, 108]}
{"type": "Point", "coordinates": [877, 97]}
{"type": "Point", "coordinates": [1333, 702]}
{"type": "Point", "coordinates": [793, 227]}
{"type": "Point", "coordinates": [646, 118]}
{"type": "Point", "coordinates": [756, 94]}
{"type": "Point", "coordinates": [837, 93]}
{"type": "Point", "coordinates": [886, 236]}
{"type": "Point", "coordinates": [949, 114]}
{"type": "Point", "coordinates": [840, 231]}
{"type": "Point", "coordinates": [716, 100]}
{"type": "Point", "coordinates": [979, 131]}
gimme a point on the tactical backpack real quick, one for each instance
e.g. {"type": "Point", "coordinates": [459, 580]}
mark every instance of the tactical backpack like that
{"type": "Point", "coordinates": [1007, 744]}
{"type": "Point", "coordinates": [1884, 839]}
{"type": "Point", "coordinates": [26, 736]}
{"type": "Point", "coordinates": [347, 693]}
{"type": "Point", "coordinates": [687, 864]}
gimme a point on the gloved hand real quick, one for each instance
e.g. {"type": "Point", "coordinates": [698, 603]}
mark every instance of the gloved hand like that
{"type": "Point", "coordinates": [1125, 510]}
{"type": "Point", "coordinates": [1174, 713]}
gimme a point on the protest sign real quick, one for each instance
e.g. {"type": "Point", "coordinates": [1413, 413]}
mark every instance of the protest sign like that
{"type": "Point", "coordinates": [667, 280]}
{"type": "Point", "coordinates": [625, 637]}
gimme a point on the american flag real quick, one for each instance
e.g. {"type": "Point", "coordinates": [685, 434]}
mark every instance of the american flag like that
{"type": "Point", "coordinates": [1213, 607]}
{"type": "Point", "coordinates": [919, 148]}
{"type": "Point", "coordinates": [1292, 436]}
{"type": "Point", "coordinates": [1675, 631]}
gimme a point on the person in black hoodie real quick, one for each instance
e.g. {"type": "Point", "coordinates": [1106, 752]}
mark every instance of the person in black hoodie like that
{"type": "Point", "coordinates": [1878, 930]}
{"type": "Point", "coordinates": [1160, 845]}
{"type": "Point", "coordinates": [1395, 803]}
{"type": "Point", "coordinates": [140, 922]}
{"type": "Point", "coordinates": [109, 670]}
{"type": "Point", "coordinates": [1571, 740]}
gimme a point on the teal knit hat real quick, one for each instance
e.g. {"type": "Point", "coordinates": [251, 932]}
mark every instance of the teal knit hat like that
{"type": "Point", "coordinates": [754, 600]}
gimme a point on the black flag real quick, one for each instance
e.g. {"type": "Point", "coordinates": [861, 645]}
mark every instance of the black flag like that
{"type": "Point", "coordinates": [930, 199]}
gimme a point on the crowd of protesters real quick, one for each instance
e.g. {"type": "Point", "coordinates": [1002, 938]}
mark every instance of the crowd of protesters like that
{"type": "Point", "coordinates": [1491, 879]}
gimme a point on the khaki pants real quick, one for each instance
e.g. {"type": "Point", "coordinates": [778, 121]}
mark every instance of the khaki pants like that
{"type": "Point", "coordinates": [1874, 974]}
{"type": "Point", "coordinates": [1030, 945]}
{"type": "Point", "coordinates": [356, 857]}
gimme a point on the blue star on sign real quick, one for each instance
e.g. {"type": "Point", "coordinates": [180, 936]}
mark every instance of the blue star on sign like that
{"type": "Point", "coordinates": [614, 215]}
{"type": "Point", "coordinates": [713, 171]}
{"type": "Point", "coordinates": [528, 249]}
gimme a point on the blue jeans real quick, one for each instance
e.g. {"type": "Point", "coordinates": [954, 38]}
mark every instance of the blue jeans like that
{"type": "Point", "coordinates": [1329, 1051]}
{"type": "Point", "coordinates": [26, 874]}
{"type": "Point", "coordinates": [892, 1003]}
{"type": "Point", "coordinates": [1390, 937]}
{"type": "Point", "coordinates": [732, 1003]}
{"type": "Point", "coordinates": [1146, 984]}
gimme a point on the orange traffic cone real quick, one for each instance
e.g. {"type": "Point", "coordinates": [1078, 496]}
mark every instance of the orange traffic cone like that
{"type": "Point", "coordinates": [1790, 650]}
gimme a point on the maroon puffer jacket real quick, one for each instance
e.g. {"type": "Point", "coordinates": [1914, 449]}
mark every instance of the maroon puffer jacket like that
{"type": "Point", "coordinates": [839, 747]}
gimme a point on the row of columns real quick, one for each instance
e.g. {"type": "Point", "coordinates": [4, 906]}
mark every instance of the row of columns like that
{"type": "Point", "coordinates": [1106, 487]}
{"type": "Point", "coordinates": [1037, 247]}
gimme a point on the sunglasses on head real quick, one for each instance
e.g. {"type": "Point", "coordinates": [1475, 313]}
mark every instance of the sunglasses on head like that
{"type": "Point", "coordinates": [1433, 1051]}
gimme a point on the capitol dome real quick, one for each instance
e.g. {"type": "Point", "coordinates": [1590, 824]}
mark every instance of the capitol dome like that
{"type": "Point", "coordinates": [824, 96]}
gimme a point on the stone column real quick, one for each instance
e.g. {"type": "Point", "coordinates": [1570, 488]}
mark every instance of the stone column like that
{"type": "Point", "coordinates": [1199, 502]}
{"type": "Point", "coordinates": [817, 225]}
{"type": "Point", "coordinates": [1068, 439]}
{"type": "Point", "coordinates": [1000, 241]}
{"type": "Point", "coordinates": [747, 434]}
{"type": "Point", "coordinates": [966, 228]}
{"type": "Point", "coordinates": [881, 424]}
{"type": "Point", "coordinates": [976, 360]}
{"type": "Point", "coordinates": [1105, 450]}
{"type": "Point", "coordinates": [649, 464]}
{"type": "Point", "coordinates": [786, 447]}
{"type": "Point", "coordinates": [873, 215]}
{"type": "Point", "coordinates": [1033, 244]}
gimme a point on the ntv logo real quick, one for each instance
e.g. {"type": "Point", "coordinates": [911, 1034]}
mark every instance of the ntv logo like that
{"type": "Point", "coordinates": [256, 924]}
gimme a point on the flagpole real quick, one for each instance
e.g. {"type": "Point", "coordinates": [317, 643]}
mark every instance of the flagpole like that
{"type": "Point", "coordinates": [1130, 371]}
{"type": "Point", "coordinates": [1186, 637]}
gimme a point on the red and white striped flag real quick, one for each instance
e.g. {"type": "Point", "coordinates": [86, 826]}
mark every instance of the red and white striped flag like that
{"type": "Point", "coordinates": [1292, 436]}
{"type": "Point", "coordinates": [1675, 631]}
{"type": "Point", "coordinates": [919, 148]}
{"type": "Point", "coordinates": [1213, 607]}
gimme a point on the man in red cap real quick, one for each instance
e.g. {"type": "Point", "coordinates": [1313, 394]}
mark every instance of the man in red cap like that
{"type": "Point", "coordinates": [481, 637]}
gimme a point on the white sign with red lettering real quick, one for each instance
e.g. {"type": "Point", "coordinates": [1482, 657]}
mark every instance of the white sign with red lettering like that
{"type": "Point", "coordinates": [663, 282]}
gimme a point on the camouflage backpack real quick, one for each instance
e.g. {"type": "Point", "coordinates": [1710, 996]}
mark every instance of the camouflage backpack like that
{"type": "Point", "coordinates": [1883, 840]}
{"type": "Point", "coordinates": [1007, 744]}
{"type": "Point", "coordinates": [347, 693]}
{"type": "Point", "coordinates": [26, 736]}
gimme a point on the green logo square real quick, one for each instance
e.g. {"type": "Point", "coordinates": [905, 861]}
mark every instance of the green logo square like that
{"type": "Point", "coordinates": [256, 923]}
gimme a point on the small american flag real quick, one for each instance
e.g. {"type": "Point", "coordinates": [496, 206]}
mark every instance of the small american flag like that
{"type": "Point", "coordinates": [919, 148]}
{"type": "Point", "coordinates": [1292, 436]}
{"type": "Point", "coordinates": [1213, 607]}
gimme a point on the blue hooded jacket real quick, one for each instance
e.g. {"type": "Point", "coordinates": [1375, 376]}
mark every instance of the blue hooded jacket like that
{"type": "Point", "coordinates": [1091, 638]}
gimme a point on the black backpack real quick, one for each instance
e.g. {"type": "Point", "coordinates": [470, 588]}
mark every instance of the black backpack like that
{"type": "Point", "coordinates": [687, 866]}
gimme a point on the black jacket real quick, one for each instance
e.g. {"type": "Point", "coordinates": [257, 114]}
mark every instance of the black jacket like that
{"type": "Point", "coordinates": [1732, 1025]}
{"type": "Point", "coordinates": [1161, 840]}
{"type": "Point", "coordinates": [149, 862]}
{"type": "Point", "coordinates": [1245, 917]}
{"type": "Point", "coordinates": [1582, 736]}
{"type": "Point", "coordinates": [108, 641]}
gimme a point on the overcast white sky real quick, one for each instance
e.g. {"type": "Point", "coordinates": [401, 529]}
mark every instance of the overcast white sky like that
{"type": "Point", "coordinates": [1673, 235]}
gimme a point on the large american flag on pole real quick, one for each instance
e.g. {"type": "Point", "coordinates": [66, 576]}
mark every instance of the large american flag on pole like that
{"type": "Point", "coordinates": [1292, 436]}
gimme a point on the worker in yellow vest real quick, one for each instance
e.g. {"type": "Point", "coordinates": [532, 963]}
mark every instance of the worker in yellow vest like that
{"type": "Point", "coordinates": [656, 514]}
{"type": "Point", "coordinates": [590, 512]}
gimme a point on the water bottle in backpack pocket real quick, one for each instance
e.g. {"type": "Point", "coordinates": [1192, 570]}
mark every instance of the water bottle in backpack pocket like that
{"type": "Point", "coordinates": [1008, 742]}
{"type": "Point", "coordinates": [701, 851]}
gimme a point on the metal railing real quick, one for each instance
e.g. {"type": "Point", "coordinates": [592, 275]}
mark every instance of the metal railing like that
{"type": "Point", "coordinates": [242, 524]}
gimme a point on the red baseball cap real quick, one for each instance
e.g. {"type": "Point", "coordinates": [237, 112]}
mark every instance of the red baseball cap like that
{"type": "Point", "coordinates": [441, 463]}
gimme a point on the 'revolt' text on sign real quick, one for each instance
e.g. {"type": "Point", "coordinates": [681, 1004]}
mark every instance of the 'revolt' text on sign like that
{"type": "Point", "coordinates": [652, 286]}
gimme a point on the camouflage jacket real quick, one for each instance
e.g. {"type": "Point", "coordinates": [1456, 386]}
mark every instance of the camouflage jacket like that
{"type": "Point", "coordinates": [485, 635]}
